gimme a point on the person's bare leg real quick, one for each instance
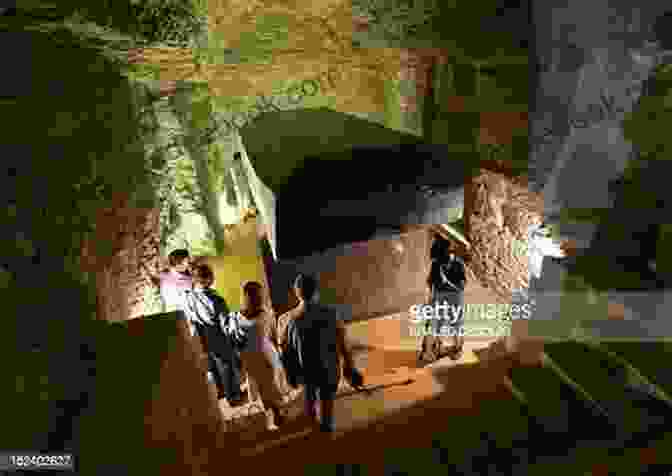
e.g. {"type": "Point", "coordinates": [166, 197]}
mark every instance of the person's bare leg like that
{"type": "Point", "coordinates": [274, 416]}
{"type": "Point", "coordinates": [458, 341]}
{"type": "Point", "coordinates": [310, 405]}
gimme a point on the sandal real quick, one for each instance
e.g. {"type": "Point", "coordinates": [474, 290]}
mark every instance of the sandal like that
{"type": "Point", "coordinates": [425, 358]}
{"type": "Point", "coordinates": [457, 353]}
{"type": "Point", "coordinates": [237, 402]}
{"type": "Point", "coordinates": [454, 353]}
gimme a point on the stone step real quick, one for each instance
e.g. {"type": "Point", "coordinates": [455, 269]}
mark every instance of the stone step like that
{"type": "Point", "coordinates": [505, 443]}
{"type": "Point", "coordinates": [623, 395]}
{"type": "Point", "coordinates": [651, 359]}
{"type": "Point", "coordinates": [561, 411]}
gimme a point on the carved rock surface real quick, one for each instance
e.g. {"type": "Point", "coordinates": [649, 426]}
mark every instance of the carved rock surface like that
{"type": "Point", "coordinates": [592, 63]}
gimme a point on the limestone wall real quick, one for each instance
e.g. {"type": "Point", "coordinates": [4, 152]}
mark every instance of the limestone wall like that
{"type": "Point", "coordinates": [367, 279]}
{"type": "Point", "coordinates": [120, 254]}
{"type": "Point", "coordinates": [154, 412]}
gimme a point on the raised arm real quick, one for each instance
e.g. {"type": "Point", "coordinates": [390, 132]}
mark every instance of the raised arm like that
{"type": "Point", "coordinates": [280, 328]}
{"type": "Point", "coordinates": [342, 343]}
{"type": "Point", "coordinates": [429, 283]}
{"type": "Point", "coordinates": [463, 274]}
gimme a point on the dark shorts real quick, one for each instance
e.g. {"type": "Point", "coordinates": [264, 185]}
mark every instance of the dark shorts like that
{"type": "Point", "coordinates": [320, 391]}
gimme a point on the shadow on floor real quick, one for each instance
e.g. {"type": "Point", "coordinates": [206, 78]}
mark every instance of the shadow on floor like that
{"type": "Point", "coordinates": [376, 361]}
{"type": "Point", "coordinates": [411, 427]}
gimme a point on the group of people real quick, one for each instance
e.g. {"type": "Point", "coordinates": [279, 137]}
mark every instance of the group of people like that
{"type": "Point", "coordinates": [305, 346]}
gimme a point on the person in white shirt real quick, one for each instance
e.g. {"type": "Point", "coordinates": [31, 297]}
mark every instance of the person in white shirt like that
{"type": "Point", "coordinates": [174, 282]}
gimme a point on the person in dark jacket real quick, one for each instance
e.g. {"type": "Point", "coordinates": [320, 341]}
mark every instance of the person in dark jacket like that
{"type": "Point", "coordinates": [205, 308]}
{"type": "Point", "coordinates": [445, 283]}
{"type": "Point", "coordinates": [292, 356]}
{"type": "Point", "coordinates": [316, 337]}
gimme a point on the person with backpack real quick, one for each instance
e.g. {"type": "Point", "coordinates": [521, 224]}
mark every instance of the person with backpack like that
{"type": "Point", "coordinates": [314, 342]}
{"type": "Point", "coordinates": [205, 309]}
{"type": "Point", "coordinates": [446, 283]}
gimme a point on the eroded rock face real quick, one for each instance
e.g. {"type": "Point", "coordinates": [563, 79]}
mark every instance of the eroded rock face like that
{"type": "Point", "coordinates": [124, 267]}
{"type": "Point", "coordinates": [363, 279]}
{"type": "Point", "coordinates": [593, 63]}
{"type": "Point", "coordinates": [498, 213]}
{"type": "Point", "coordinates": [596, 64]}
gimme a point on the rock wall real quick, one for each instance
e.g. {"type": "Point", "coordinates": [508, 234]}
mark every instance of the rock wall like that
{"type": "Point", "coordinates": [592, 64]}
{"type": "Point", "coordinates": [153, 403]}
{"type": "Point", "coordinates": [365, 279]}
{"type": "Point", "coordinates": [415, 70]}
{"type": "Point", "coordinates": [122, 254]}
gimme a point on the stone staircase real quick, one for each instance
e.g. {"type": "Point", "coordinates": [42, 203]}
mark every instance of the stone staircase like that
{"type": "Point", "coordinates": [586, 405]}
{"type": "Point", "coordinates": [585, 399]}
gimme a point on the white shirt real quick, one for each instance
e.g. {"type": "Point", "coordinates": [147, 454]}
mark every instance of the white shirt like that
{"type": "Point", "coordinates": [173, 285]}
{"type": "Point", "coordinates": [540, 245]}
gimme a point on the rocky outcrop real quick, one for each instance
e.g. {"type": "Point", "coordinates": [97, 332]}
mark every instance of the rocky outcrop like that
{"type": "Point", "coordinates": [591, 75]}
{"type": "Point", "coordinates": [123, 253]}
{"type": "Point", "coordinates": [366, 279]}
{"type": "Point", "coordinates": [417, 67]}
